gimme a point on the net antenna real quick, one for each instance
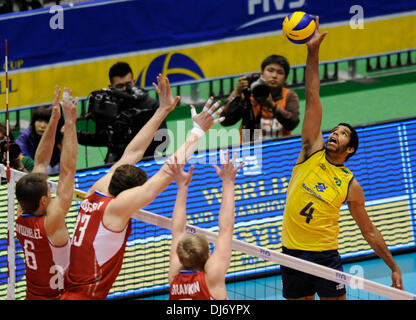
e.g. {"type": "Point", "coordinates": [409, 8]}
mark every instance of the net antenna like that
{"type": "Point", "coordinates": [260, 252]}
{"type": "Point", "coordinates": [11, 268]}
{"type": "Point", "coordinates": [7, 111]}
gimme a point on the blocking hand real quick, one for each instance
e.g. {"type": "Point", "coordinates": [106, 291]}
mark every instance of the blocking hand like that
{"type": "Point", "coordinates": [182, 178]}
{"type": "Point", "coordinates": [69, 106]}
{"type": "Point", "coordinates": [228, 172]}
{"type": "Point", "coordinates": [207, 118]}
{"type": "Point", "coordinates": [166, 100]}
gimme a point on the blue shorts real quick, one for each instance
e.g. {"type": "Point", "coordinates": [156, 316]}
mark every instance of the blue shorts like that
{"type": "Point", "coordinates": [297, 284]}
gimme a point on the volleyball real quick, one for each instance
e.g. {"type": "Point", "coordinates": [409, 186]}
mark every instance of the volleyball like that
{"type": "Point", "coordinates": [299, 27]}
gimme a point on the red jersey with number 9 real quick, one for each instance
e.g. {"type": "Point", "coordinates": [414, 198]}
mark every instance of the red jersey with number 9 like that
{"type": "Point", "coordinates": [96, 252]}
{"type": "Point", "coordinates": [45, 263]}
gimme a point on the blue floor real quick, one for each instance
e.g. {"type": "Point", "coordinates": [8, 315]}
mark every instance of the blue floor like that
{"type": "Point", "coordinates": [374, 270]}
{"type": "Point", "coordinates": [377, 271]}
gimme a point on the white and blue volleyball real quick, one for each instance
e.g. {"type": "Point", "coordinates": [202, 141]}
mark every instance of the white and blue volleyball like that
{"type": "Point", "coordinates": [299, 27]}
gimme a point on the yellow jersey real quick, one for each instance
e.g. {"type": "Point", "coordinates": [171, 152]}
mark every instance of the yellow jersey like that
{"type": "Point", "coordinates": [316, 192]}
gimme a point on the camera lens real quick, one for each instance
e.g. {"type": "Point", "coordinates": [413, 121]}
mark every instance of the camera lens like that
{"type": "Point", "coordinates": [260, 89]}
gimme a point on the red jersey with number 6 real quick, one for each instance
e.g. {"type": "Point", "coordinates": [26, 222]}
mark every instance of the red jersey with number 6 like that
{"type": "Point", "coordinates": [189, 285]}
{"type": "Point", "coordinates": [45, 263]}
{"type": "Point", "coordinates": [96, 252]}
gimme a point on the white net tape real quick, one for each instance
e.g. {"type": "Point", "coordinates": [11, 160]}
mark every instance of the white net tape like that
{"type": "Point", "coordinates": [353, 281]}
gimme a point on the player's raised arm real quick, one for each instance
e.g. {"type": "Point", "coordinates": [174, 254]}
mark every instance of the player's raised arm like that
{"type": "Point", "coordinates": [131, 200]}
{"type": "Point", "coordinates": [312, 139]}
{"type": "Point", "coordinates": [58, 208]}
{"type": "Point", "coordinates": [183, 179]}
{"type": "Point", "coordinates": [217, 264]}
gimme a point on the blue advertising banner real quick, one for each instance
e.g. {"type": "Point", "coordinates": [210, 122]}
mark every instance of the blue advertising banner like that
{"type": "Point", "coordinates": [100, 28]}
{"type": "Point", "coordinates": [74, 46]}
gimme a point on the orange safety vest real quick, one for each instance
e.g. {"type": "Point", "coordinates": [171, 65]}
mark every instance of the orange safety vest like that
{"type": "Point", "coordinates": [268, 123]}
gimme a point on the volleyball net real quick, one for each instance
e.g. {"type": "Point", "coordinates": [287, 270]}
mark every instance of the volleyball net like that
{"type": "Point", "coordinates": [383, 166]}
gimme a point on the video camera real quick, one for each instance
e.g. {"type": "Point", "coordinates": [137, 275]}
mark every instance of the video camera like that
{"type": "Point", "coordinates": [109, 102]}
{"type": "Point", "coordinates": [260, 91]}
{"type": "Point", "coordinates": [257, 87]}
{"type": "Point", "coordinates": [118, 111]}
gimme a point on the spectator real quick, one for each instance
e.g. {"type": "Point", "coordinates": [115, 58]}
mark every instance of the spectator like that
{"type": "Point", "coordinates": [24, 5]}
{"type": "Point", "coordinates": [6, 6]}
{"type": "Point", "coordinates": [263, 102]}
{"type": "Point", "coordinates": [115, 128]}
{"type": "Point", "coordinates": [29, 138]}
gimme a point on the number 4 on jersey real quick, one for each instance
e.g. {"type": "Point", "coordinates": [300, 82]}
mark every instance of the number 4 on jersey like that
{"type": "Point", "coordinates": [307, 212]}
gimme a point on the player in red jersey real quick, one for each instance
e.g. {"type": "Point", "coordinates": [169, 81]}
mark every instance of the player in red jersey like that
{"type": "Point", "coordinates": [103, 223]}
{"type": "Point", "coordinates": [194, 274]}
{"type": "Point", "coordinates": [40, 226]}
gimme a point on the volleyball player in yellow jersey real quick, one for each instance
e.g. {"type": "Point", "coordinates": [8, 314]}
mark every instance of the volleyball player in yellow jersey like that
{"type": "Point", "coordinates": [320, 184]}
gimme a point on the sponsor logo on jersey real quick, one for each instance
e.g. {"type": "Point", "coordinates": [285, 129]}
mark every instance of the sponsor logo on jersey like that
{"type": "Point", "coordinates": [320, 187]}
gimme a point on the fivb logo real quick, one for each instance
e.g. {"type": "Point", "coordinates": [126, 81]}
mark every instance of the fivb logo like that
{"type": "Point", "coordinates": [340, 276]}
{"type": "Point", "coordinates": [265, 252]}
{"type": "Point", "coordinates": [355, 279]}
{"type": "Point", "coordinates": [356, 21]}
{"type": "Point", "coordinates": [278, 5]}
{"type": "Point", "coordinates": [265, 6]}
{"type": "Point", "coordinates": [190, 230]}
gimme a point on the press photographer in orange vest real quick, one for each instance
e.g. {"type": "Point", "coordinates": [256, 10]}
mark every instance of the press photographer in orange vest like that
{"type": "Point", "coordinates": [262, 102]}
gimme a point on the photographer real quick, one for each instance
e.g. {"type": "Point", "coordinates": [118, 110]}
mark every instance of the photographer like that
{"type": "Point", "coordinates": [119, 113]}
{"type": "Point", "coordinates": [263, 103]}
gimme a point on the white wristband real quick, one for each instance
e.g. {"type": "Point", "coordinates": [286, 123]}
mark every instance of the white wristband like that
{"type": "Point", "coordinates": [198, 131]}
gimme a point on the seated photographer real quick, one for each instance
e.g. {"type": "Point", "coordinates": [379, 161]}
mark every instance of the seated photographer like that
{"type": "Point", "coordinates": [263, 102]}
{"type": "Point", "coordinates": [119, 113]}
{"type": "Point", "coordinates": [29, 138]}
{"type": "Point", "coordinates": [17, 161]}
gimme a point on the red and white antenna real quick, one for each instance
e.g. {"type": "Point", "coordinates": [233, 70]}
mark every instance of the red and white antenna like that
{"type": "Point", "coordinates": [11, 250]}
{"type": "Point", "coordinates": [7, 114]}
